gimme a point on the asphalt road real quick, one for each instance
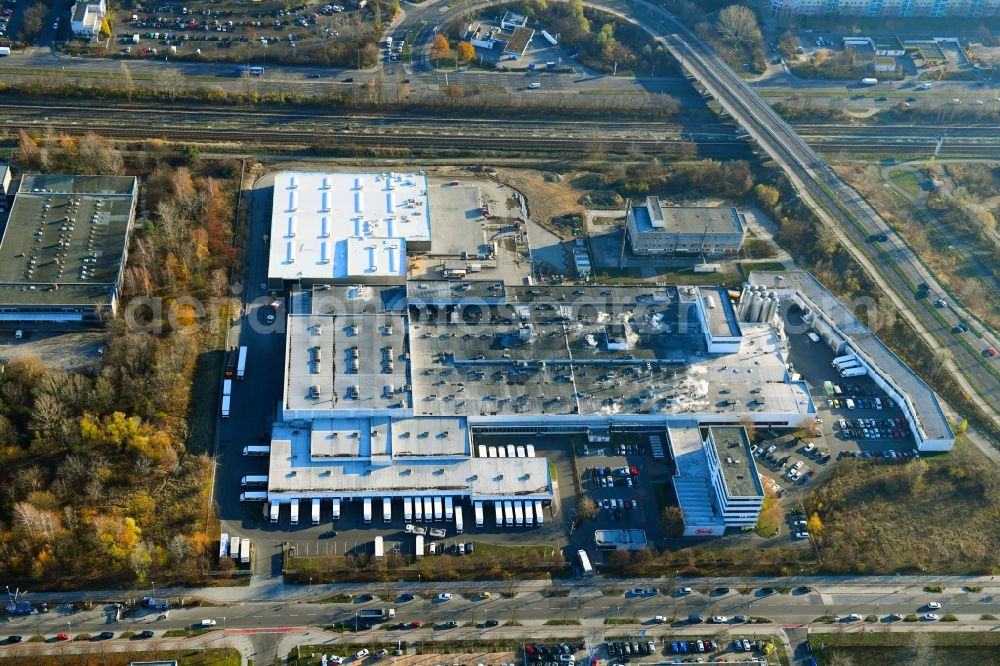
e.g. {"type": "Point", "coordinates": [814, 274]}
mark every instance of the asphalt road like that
{"type": "Point", "coordinates": [255, 399]}
{"type": "Point", "coordinates": [586, 604]}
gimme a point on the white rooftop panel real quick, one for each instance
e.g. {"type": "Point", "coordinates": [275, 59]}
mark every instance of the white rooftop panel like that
{"type": "Point", "coordinates": [328, 225]}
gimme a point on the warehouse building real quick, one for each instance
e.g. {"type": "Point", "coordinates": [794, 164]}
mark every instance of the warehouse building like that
{"type": "Point", "coordinates": [387, 388]}
{"type": "Point", "coordinates": [655, 229]}
{"type": "Point", "coordinates": [837, 326]}
{"type": "Point", "coordinates": [63, 251]}
{"type": "Point", "coordinates": [346, 227]}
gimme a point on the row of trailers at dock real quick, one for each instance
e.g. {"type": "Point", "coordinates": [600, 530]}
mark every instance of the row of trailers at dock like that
{"type": "Point", "coordinates": [507, 513]}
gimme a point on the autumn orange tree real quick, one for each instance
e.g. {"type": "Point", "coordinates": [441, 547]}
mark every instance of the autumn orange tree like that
{"type": "Point", "coordinates": [440, 48]}
{"type": "Point", "coordinates": [466, 51]}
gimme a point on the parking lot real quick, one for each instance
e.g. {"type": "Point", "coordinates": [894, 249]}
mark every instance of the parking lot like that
{"type": "Point", "coordinates": [311, 32]}
{"type": "Point", "coordinates": [638, 647]}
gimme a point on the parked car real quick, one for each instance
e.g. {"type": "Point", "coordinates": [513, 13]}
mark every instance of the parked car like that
{"type": "Point", "coordinates": [443, 596]}
{"type": "Point", "coordinates": [361, 654]}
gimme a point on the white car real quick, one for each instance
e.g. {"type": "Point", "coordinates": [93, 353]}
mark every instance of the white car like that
{"type": "Point", "coordinates": [362, 653]}
{"type": "Point", "coordinates": [336, 659]}
{"type": "Point", "coordinates": [444, 596]}
{"type": "Point", "coordinates": [802, 535]}
{"type": "Point", "coordinates": [660, 619]}
{"type": "Point", "coordinates": [929, 617]}
{"type": "Point", "coordinates": [809, 448]}
{"type": "Point", "coordinates": [719, 619]}
{"type": "Point", "coordinates": [567, 658]}
{"type": "Point", "coordinates": [933, 605]}
{"type": "Point", "coordinates": [208, 623]}
{"type": "Point", "coordinates": [269, 318]}
{"type": "Point", "coordinates": [853, 617]}
{"type": "Point", "coordinates": [799, 464]}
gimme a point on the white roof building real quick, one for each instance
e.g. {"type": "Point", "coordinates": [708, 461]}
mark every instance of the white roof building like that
{"type": "Point", "coordinates": [355, 227]}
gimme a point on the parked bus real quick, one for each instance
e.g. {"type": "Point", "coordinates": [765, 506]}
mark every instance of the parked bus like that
{"type": "Point", "coordinates": [253, 70]}
{"type": "Point", "coordinates": [585, 565]}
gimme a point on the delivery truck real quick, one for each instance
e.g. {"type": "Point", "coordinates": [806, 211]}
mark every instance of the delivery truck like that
{"type": "Point", "coordinates": [869, 81]}
{"type": "Point", "coordinates": [369, 615]}
{"type": "Point", "coordinates": [254, 496]}
{"type": "Point", "coordinates": [241, 363]}
{"type": "Point", "coordinates": [245, 549]}
{"type": "Point", "coordinates": [459, 526]}
{"type": "Point", "coordinates": [478, 507]}
{"type": "Point", "coordinates": [367, 510]}
{"type": "Point", "coordinates": [295, 512]}
{"type": "Point", "coordinates": [315, 511]}
{"type": "Point", "coordinates": [254, 480]}
{"type": "Point", "coordinates": [257, 450]}
{"type": "Point", "coordinates": [379, 548]}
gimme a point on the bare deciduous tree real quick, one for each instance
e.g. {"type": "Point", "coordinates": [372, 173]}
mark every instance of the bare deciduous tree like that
{"type": "Point", "coordinates": [737, 25]}
{"type": "Point", "coordinates": [127, 84]}
{"type": "Point", "coordinates": [99, 155]}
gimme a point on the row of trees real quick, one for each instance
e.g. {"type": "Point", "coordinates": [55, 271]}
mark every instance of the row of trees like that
{"type": "Point", "coordinates": [99, 486]}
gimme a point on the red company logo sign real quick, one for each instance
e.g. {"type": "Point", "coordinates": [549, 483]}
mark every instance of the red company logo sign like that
{"type": "Point", "coordinates": [704, 531]}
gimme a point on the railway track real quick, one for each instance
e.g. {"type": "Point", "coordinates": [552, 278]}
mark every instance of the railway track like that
{"type": "Point", "coordinates": [485, 142]}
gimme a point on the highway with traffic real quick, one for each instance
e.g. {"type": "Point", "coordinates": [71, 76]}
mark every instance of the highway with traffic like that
{"type": "Point", "coordinates": [590, 603]}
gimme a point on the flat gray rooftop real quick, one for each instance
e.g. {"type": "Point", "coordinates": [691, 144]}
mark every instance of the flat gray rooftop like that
{"type": "Point", "coordinates": [551, 366]}
{"type": "Point", "coordinates": [361, 362]}
{"type": "Point", "coordinates": [65, 239]}
{"type": "Point", "coordinates": [738, 470]}
{"type": "Point", "coordinates": [690, 220]}
{"type": "Point", "coordinates": [925, 402]}
{"type": "Point", "coordinates": [458, 218]}
{"type": "Point", "coordinates": [439, 292]}
{"type": "Point", "coordinates": [293, 473]}
{"type": "Point", "coordinates": [357, 299]}
{"type": "Point", "coordinates": [722, 320]}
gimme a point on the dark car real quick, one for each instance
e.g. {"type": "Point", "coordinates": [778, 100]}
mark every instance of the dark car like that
{"type": "Point", "coordinates": [405, 597]}
{"type": "Point", "coordinates": [694, 618]}
{"type": "Point", "coordinates": [719, 591]}
{"type": "Point", "coordinates": [14, 639]}
{"type": "Point", "coordinates": [491, 623]}
{"type": "Point", "coordinates": [364, 598]}
{"type": "Point", "coordinates": [449, 625]}
{"type": "Point", "coordinates": [767, 590]}
{"type": "Point", "coordinates": [145, 634]}
{"type": "Point", "coordinates": [314, 75]}
{"type": "Point", "coordinates": [349, 80]}
{"type": "Point", "coordinates": [105, 636]}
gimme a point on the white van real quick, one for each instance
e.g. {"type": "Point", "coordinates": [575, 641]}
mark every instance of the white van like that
{"type": "Point", "coordinates": [534, 85]}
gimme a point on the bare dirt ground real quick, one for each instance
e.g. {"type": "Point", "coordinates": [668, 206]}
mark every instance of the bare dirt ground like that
{"type": "Point", "coordinates": [546, 198]}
